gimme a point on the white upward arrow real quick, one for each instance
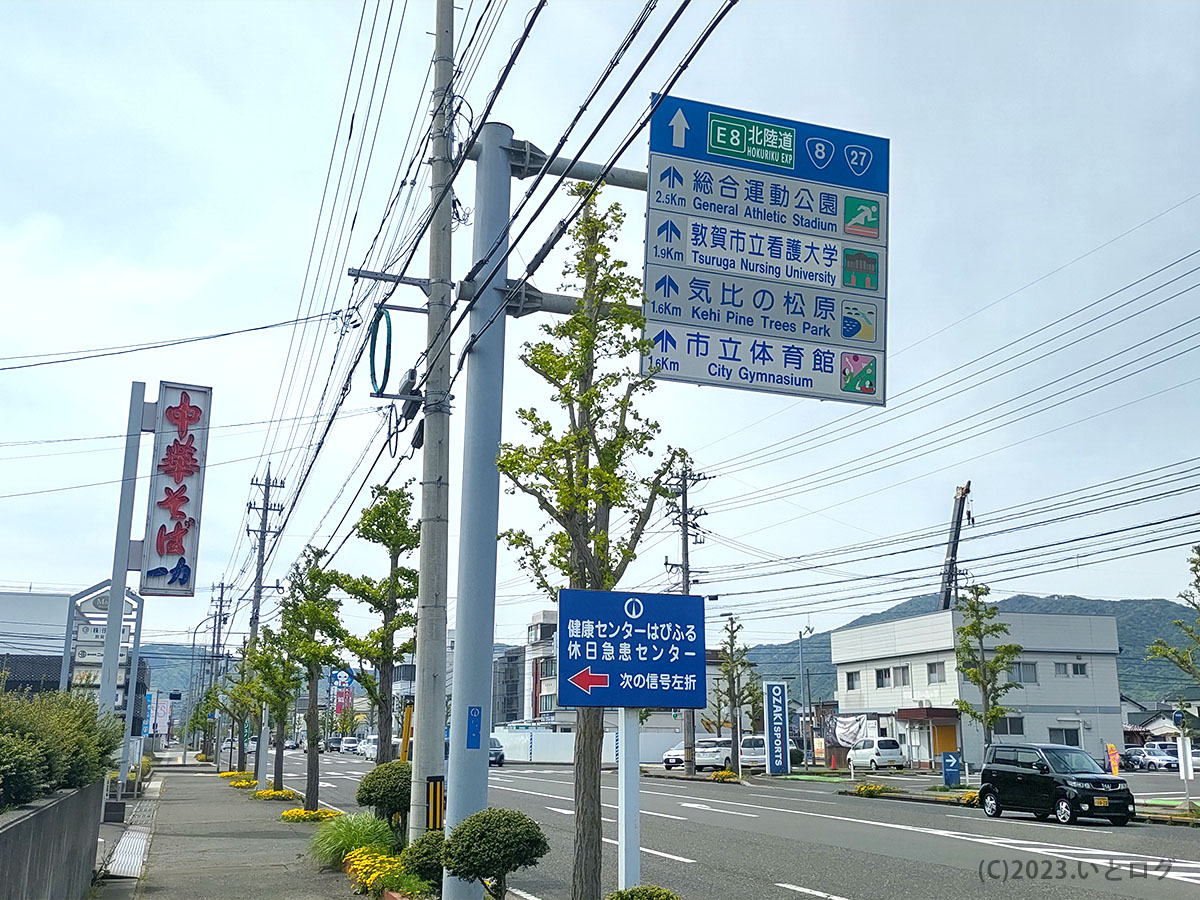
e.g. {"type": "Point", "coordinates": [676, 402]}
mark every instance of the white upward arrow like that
{"type": "Point", "coordinates": [679, 127]}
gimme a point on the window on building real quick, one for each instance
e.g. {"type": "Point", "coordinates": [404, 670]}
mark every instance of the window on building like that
{"type": "Point", "coordinates": [549, 667]}
{"type": "Point", "coordinates": [853, 681]}
{"type": "Point", "coordinates": [1009, 725]}
{"type": "Point", "coordinates": [1079, 669]}
{"type": "Point", "coordinates": [547, 702]}
{"type": "Point", "coordinates": [883, 678]}
{"type": "Point", "coordinates": [1023, 673]}
{"type": "Point", "coordinates": [901, 675]}
{"type": "Point", "coordinates": [936, 672]}
{"type": "Point", "coordinates": [1068, 736]}
{"type": "Point", "coordinates": [1061, 670]}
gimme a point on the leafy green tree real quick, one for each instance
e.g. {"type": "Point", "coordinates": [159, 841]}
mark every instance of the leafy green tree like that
{"type": "Point", "coordinates": [1187, 657]}
{"type": "Point", "coordinates": [580, 471]}
{"type": "Point", "coordinates": [388, 523]}
{"type": "Point", "coordinates": [979, 665]}
{"type": "Point", "coordinates": [490, 845]}
{"type": "Point", "coordinates": [312, 635]}
{"type": "Point", "coordinates": [237, 695]}
{"type": "Point", "coordinates": [278, 677]}
{"type": "Point", "coordinates": [345, 721]}
{"type": "Point", "coordinates": [740, 686]}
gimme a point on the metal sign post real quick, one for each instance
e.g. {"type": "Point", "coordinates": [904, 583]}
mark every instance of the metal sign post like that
{"type": "Point", "coordinates": [630, 650]}
{"type": "Point", "coordinates": [766, 254]}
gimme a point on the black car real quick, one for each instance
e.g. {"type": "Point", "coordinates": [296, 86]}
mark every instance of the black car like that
{"type": "Point", "coordinates": [495, 752]}
{"type": "Point", "coordinates": [1051, 779]}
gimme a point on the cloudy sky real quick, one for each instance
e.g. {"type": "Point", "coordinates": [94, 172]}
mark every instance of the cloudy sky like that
{"type": "Point", "coordinates": [184, 169]}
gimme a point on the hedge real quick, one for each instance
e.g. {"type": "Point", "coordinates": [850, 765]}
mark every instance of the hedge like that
{"type": "Point", "coordinates": [52, 740]}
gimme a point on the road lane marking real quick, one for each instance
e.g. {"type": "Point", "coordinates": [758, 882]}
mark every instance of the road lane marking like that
{"type": "Point", "coordinates": [1035, 824]}
{"type": "Point", "coordinates": [522, 894]}
{"type": "Point", "coordinates": [795, 799]}
{"type": "Point", "coordinates": [726, 812]}
{"type": "Point", "coordinates": [557, 809]}
{"type": "Point", "coordinates": [682, 859]}
{"type": "Point", "coordinates": [809, 891]}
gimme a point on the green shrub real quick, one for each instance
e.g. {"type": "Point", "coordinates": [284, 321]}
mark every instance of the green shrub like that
{"type": "Point", "coordinates": [423, 857]}
{"type": "Point", "coordinates": [338, 836]}
{"type": "Point", "coordinates": [490, 845]}
{"type": "Point", "coordinates": [387, 789]}
{"type": "Point", "coordinates": [22, 769]}
{"type": "Point", "coordinates": [643, 892]}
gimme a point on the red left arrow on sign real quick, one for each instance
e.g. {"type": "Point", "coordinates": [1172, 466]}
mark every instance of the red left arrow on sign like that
{"type": "Point", "coordinates": [585, 680]}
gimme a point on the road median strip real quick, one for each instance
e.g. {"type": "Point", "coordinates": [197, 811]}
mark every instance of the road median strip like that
{"type": "Point", "coordinates": [947, 799]}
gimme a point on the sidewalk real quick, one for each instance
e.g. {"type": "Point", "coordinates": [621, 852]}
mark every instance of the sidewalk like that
{"type": "Point", "coordinates": [212, 841]}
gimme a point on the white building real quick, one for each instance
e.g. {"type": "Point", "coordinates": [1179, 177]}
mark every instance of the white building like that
{"type": "Point", "coordinates": [902, 675]}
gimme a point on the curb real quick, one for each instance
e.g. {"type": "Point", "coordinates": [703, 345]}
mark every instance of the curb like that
{"type": "Point", "coordinates": [1149, 819]}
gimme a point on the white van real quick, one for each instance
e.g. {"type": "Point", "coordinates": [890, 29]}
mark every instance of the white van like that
{"type": "Point", "coordinates": [369, 747]}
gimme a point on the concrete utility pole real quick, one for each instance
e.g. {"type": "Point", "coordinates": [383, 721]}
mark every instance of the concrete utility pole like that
{"type": "Point", "coordinates": [803, 695]}
{"type": "Point", "coordinates": [950, 567]}
{"type": "Point", "coordinates": [475, 613]}
{"type": "Point", "coordinates": [430, 689]}
{"type": "Point", "coordinates": [266, 509]}
{"type": "Point", "coordinates": [212, 662]}
{"type": "Point", "coordinates": [686, 521]}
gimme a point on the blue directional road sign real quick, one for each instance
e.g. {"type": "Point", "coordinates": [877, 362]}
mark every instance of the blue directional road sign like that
{"type": "Point", "coordinates": [775, 715]}
{"type": "Point", "coordinates": [766, 251]}
{"type": "Point", "coordinates": [951, 769]}
{"type": "Point", "coordinates": [620, 649]}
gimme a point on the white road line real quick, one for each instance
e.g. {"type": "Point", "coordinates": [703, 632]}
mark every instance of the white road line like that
{"type": "Point", "coordinates": [809, 891]}
{"type": "Point", "coordinates": [683, 859]}
{"type": "Point", "coordinates": [796, 799]}
{"type": "Point", "coordinates": [557, 809]}
{"type": "Point", "coordinates": [522, 894]}
{"type": "Point", "coordinates": [325, 784]}
{"type": "Point", "coordinates": [724, 812]}
{"type": "Point", "coordinates": [1035, 824]}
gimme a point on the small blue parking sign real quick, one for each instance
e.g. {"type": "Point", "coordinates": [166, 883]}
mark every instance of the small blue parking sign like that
{"type": "Point", "coordinates": [625, 649]}
{"type": "Point", "coordinates": [951, 769]}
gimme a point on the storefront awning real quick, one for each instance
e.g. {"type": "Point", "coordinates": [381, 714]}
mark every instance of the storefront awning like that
{"type": "Point", "coordinates": [925, 713]}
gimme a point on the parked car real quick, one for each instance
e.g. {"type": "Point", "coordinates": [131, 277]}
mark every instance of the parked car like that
{"type": "Point", "coordinates": [333, 743]}
{"type": "Point", "coordinates": [1156, 759]}
{"type": "Point", "coordinates": [289, 744]}
{"type": "Point", "coordinates": [674, 757]}
{"type": "Point", "coordinates": [1051, 779]}
{"type": "Point", "coordinates": [1168, 747]}
{"type": "Point", "coordinates": [228, 744]}
{"type": "Point", "coordinates": [349, 744]}
{"type": "Point", "coordinates": [754, 751]}
{"type": "Point", "coordinates": [252, 745]}
{"type": "Point", "coordinates": [495, 752]}
{"type": "Point", "coordinates": [714, 753]}
{"type": "Point", "coordinates": [877, 753]}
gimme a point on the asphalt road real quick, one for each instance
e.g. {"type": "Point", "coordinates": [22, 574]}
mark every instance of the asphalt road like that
{"type": "Point", "coordinates": [785, 838]}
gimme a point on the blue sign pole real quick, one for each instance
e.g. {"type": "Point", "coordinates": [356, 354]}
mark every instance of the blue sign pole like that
{"type": "Point", "coordinates": [951, 769]}
{"type": "Point", "coordinates": [775, 715]}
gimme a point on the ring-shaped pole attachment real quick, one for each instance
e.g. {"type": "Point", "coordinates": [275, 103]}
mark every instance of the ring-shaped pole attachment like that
{"type": "Point", "coordinates": [378, 385]}
{"type": "Point", "coordinates": [393, 427]}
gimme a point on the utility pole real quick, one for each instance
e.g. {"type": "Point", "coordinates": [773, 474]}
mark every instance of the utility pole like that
{"type": "Point", "coordinates": [213, 656]}
{"type": "Point", "coordinates": [804, 698]}
{"type": "Point", "coordinates": [950, 567]}
{"type": "Point", "coordinates": [428, 742]}
{"type": "Point", "coordinates": [266, 509]}
{"type": "Point", "coordinates": [686, 518]}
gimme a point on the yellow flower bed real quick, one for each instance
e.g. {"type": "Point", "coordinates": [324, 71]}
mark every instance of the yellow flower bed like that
{"type": "Point", "coordinates": [724, 775]}
{"type": "Point", "coordinates": [970, 798]}
{"type": "Point", "coordinates": [237, 775]}
{"type": "Point", "coordinates": [200, 757]}
{"type": "Point", "coordinates": [308, 815]}
{"type": "Point", "coordinates": [269, 794]}
{"type": "Point", "coordinates": [244, 783]}
{"type": "Point", "coordinates": [365, 866]}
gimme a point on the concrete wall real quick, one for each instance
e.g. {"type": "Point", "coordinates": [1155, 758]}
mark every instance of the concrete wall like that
{"type": "Point", "coordinates": [48, 848]}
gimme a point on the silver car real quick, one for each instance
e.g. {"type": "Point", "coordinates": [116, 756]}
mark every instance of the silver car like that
{"type": "Point", "coordinates": [714, 753]}
{"type": "Point", "coordinates": [877, 753]}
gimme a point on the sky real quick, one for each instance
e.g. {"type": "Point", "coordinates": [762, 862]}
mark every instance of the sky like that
{"type": "Point", "coordinates": [176, 170]}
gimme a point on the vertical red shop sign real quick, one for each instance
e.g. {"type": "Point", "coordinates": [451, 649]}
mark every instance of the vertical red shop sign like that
{"type": "Point", "coordinates": [172, 539]}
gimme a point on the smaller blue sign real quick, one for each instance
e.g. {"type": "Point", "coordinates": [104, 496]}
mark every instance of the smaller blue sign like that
{"type": "Point", "coordinates": [951, 769]}
{"type": "Point", "coordinates": [1177, 717]}
{"type": "Point", "coordinates": [775, 716]}
{"type": "Point", "coordinates": [474, 726]}
{"type": "Point", "coordinates": [622, 649]}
